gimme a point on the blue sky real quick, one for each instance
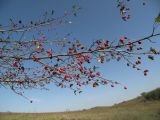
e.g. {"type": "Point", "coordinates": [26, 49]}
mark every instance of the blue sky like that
{"type": "Point", "coordinates": [97, 19]}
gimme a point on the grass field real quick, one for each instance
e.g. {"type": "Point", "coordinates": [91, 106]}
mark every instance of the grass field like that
{"type": "Point", "coordinates": [136, 109]}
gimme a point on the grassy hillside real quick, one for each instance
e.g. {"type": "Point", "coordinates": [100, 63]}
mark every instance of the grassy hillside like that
{"type": "Point", "coordinates": [145, 107]}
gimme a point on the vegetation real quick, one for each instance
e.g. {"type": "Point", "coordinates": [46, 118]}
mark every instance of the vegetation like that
{"type": "Point", "coordinates": [154, 95]}
{"type": "Point", "coordinates": [135, 109]}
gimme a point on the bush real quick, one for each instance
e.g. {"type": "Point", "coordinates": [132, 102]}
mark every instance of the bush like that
{"type": "Point", "coordinates": [153, 95]}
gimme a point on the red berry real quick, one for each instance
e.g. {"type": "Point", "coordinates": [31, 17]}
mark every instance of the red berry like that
{"type": "Point", "coordinates": [71, 49]}
{"type": "Point", "coordinates": [54, 73]}
{"type": "Point", "coordinates": [98, 42]}
{"type": "Point", "coordinates": [92, 75]}
{"type": "Point", "coordinates": [98, 73]}
{"type": "Point", "coordinates": [46, 67]}
{"type": "Point", "coordinates": [95, 84]}
{"type": "Point", "coordinates": [106, 43]}
{"type": "Point", "coordinates": [138, 62]}
{"type": "Point", "coordinates": [90, 49]}
{"type": "Point", "coordinates": [15, 64]}
{"type": "Point", "coordinates": [49, 52]}
{"type": "Point", "coordinates": [102, 47]}
{"type": "Point", "coordinates": [121, 41]}
{"type": "Point", "coordinates": [35, 58]}
{"type": "Point", "coordinates": [145, 74]}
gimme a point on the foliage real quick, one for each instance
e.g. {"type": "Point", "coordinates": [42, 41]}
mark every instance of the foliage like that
{"type": "Point", "coordinates": [157, 19]}
{"type": "Point", "coordinates": [153, 95]}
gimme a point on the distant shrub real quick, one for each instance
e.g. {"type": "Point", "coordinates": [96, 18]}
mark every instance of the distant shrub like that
{"type": "Point", "coordinates": [84, 109]}
{"type": "Point", "coordinates": [153, 95]}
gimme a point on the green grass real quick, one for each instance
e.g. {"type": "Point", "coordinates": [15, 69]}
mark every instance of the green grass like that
{"type": "Point", "coordinates": [139, 108]}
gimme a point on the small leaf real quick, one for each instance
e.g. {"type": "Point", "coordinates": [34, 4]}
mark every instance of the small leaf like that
{"type": "Point", "coordinates": [94, 68]}
{"type": "Point", "coordinates": [157, 19]}
{"type": "Point", "coordinates": [118, 58]}
{"type": "Point", "coordinates": [75, 14]}
{"type": "Point", "coordinates": [80, 92]}
{"type": "Point", "coordinates": [31, 22]}
{"type": "Point", "coordinates": [74, 6]}
{"type": "Point", "coordinates": [71, 85]}
{"type": "Point", "coordinates": [107, 59]}
{"type": "Point", "coordinates": [153, 50]}
{"type": "Point", "coordinates": [46, 13]}
{"type": "Point", "coordinates": [150, 57]}
{"type": "Point", "coordinates": [11, 19]}
{"type": "Point", "coordinates": [125, 87]}
{"type": "Point", "coordinates": [103, 54]}
{"type": "Point", "coordinates": [20, 21]}
{"type": "Point", "coordinates": [52, 12]}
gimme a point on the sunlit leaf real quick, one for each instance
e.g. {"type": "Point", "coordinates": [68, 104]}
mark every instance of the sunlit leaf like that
{"type": "Point", "coordinates": [157, 19]}
{"type": "Point", "coordinates": [99, 59]}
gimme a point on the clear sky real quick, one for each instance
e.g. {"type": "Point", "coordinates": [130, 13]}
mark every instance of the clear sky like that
{"type": "Point", "coordinates": [97, 19]}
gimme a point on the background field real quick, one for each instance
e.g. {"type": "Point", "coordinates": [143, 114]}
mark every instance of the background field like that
{"type": "Point", "coordinates": [145, 107]}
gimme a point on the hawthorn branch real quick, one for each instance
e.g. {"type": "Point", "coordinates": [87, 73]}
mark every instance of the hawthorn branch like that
{"type": "Point", "coordinates": [80, 53]}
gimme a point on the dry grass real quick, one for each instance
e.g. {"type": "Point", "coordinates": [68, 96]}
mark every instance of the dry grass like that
{"type": "Point", "coordinates": [132, 110]}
